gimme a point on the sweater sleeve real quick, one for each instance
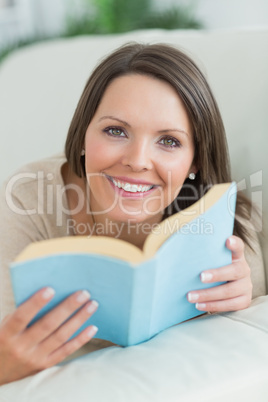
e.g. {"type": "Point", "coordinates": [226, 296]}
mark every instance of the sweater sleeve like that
{"type": "Point", "coordinates": [17, 230]}
{"type": "Point", "coordinates": [30, 212]}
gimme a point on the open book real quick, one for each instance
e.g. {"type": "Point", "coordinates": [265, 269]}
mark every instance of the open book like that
{"type": "Point", "coordinates": [140, 292]}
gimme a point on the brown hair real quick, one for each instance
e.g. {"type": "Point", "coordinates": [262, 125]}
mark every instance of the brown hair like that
{"type": "Point", "coordinates": [176, 68]}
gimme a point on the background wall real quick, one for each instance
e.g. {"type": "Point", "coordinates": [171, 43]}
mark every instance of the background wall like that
{"type": "Point", "coordinates": [233, 13]}
{"type": "Point", "coordinates": [47, 17]}
{"type": "Point", "coordinates": [226, 13]}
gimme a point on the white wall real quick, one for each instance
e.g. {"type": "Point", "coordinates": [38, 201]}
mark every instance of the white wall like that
{"type": "Point", "coordinates": [16, 22]}
{"type": "Point", "coordinates": [233, 13]}
{"type": "Point", "coordinates": [214, 13]}
{"type": "Point", "coordinates": [46, 17]}
{"type": "Point", "coordinates": [221, 14]}
{"type": "Point", "coordinates": [49, 16]}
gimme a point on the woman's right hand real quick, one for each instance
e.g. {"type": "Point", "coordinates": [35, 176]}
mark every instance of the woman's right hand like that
{"type": "Point", "coordinates": [26, 351]}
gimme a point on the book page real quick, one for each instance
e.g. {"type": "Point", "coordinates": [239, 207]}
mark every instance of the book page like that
{"type": "Point", "coordinates": [81, 244]}
{"type": "Point", "coordinates": [173, 223]}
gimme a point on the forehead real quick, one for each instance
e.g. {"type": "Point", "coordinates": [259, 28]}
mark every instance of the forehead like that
{"type": "Point", "coordinates": [139, 79]}
{"type": "Point", "coordinates": [141, 90]}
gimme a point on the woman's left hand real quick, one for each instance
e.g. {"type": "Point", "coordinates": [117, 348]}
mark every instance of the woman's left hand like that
{"type": "Point", "coordinates": [236, 294]}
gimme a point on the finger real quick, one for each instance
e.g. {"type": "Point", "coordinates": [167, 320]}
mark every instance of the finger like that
{"type": "Point", "coordinates": [237, 303]}
{"type": "Point", "coordinates": [71, 346]}
{"type": "Point", "coordinates": [53, 319]}
{"type": "Point", "coordinates": [226, 291]}
{"type": "Point", "coordinates": [66, 330]}
{"type": "Point", "coordinates": [232, 272]}
{"type": "Point", "coordinates": [18, 321]}
{"type": "Point", "coordinates": [236, 245]}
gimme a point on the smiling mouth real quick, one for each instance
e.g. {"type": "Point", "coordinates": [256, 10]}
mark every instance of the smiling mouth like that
{"type": "Point", "coordinates": [131, 188]}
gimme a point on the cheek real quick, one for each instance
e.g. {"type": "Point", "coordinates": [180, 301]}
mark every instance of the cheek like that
{"type": "Point", "coordinates": [97, 155]}
{"type": "Point", "coordinates": [174, 172]}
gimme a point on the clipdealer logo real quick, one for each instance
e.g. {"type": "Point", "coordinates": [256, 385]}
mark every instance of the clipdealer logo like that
{"type": "Point", "coordinates": [51, 199]}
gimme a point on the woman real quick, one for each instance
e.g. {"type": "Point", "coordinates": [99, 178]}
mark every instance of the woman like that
{"type": "Point", "coordinates": [146, 135]}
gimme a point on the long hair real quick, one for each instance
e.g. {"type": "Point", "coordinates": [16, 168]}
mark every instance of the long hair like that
{"type": "Point", "coordinates": [173, 66]}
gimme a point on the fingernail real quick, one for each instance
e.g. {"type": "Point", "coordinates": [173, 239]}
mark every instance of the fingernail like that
{"type": "Point", "coordinates": [206, 276]}
{"type": "Point", "coordinates": [83, 296]}
{"type": "Point", "coordinates": [232, 241]}
{"type": "Point", "coordinates": [48, 293]}
{"type": "Point", "coordinates": [192, 296]}
{"type": "Point", "coordinates": [201, 306]}
{"type": "Point", "coordinates": [92, 306]}
{"type": "Point", "coordinates": [92, 331]}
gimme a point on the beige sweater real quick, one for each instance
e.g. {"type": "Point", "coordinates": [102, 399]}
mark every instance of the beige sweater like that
{"type": "Point", "coordinates": [38, 188]}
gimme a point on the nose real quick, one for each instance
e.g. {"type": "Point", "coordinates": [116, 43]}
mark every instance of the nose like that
{"type": "Point", "coordinates": [138, 156]}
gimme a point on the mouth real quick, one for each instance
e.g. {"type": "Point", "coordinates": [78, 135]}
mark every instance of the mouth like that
{"type": "Point", "coordinates": [131, 189]}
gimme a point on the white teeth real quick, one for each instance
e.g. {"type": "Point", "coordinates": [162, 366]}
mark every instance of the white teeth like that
{"type": "Point", "coordinates": [132, 188]}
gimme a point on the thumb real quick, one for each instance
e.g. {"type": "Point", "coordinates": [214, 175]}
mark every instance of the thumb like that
{"type": "Point", "coordinates": [236, 245]}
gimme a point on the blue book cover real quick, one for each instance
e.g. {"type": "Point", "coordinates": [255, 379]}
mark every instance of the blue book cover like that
{"type": "Point", "coordinates": [140, 293]}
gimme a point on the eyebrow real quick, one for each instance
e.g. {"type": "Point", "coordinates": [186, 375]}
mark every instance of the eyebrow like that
{"type": "Point", "coordinates": [128, 125]}
{"type": "Point", "coordinates": [115, 118]}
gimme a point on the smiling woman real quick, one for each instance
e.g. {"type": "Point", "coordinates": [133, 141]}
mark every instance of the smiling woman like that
{"type": "Point", "coordinates": [145, 141]}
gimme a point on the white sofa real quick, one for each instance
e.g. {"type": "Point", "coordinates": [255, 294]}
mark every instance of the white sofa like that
{"type": "Point", "coordinates": [213, 358]}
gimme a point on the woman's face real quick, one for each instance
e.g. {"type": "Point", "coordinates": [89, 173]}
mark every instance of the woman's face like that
{"type": "Point", "coordinates": [139, 149]}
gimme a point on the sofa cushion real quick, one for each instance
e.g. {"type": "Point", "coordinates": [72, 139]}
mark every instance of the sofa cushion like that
{"type": "Point", "coordinates": [214, 358]}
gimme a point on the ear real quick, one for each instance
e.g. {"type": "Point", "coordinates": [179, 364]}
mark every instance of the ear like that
{"type": "Point", "coordinates": [193, 169]}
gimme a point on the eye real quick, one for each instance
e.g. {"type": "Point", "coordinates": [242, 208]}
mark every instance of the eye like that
{"type": "Point", "coordinates": [170, 142]}
{"type": "Point", "coordinates": [114, 132]}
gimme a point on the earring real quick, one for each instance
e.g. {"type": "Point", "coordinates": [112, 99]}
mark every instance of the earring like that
{"type": "Point", "coordinates": [191, 176]}
{"type": "Point", "coordinates": [83, 152]}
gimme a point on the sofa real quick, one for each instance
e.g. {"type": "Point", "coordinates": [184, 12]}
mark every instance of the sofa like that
{"type": "Point", "coordinates": [220, 357]}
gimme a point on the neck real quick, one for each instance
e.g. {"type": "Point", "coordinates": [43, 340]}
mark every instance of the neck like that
{"type": "Point", "coordinates": [130, 231]}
